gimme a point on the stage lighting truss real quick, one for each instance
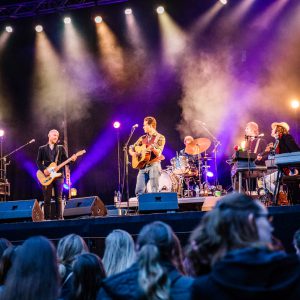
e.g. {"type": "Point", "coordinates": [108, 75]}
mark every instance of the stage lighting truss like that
{"type": "Point", "coordinates": [23, 9]}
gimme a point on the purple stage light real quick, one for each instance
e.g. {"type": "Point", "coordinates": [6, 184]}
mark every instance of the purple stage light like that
{"type": "Point", "coordinates": [117, 124]}
{"type": "Point", "coordinates": [210, 174]}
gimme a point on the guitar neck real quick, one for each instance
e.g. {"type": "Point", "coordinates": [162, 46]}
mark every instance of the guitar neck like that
{"type": "Point", "coordinates": [63, 163]}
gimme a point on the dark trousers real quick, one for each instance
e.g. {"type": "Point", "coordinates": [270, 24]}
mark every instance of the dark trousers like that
{"type": "Point", "coordinates": [57, 185]}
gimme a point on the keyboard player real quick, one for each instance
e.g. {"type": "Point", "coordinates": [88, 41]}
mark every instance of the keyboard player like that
{"type": "Point", "coordinates": [284, 143]}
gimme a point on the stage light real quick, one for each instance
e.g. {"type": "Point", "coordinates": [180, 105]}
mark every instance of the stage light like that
{"type": "Point", "coordinates": [1, 132]}
{"type": "Point", "coordinates": [39, 28]}
{"type": "Point", "coordinates": [9, 29]}
{"type": "Point", "coordinates": [295, 104]}
{"type": "Point", "coordinates": [66, 186]}
{"type": "Point", "coordinates": [67, 20]}
{"type": "Point", "coordinates": [98, 19]}
{"type": "Point", "coordinates": [73, 192]}
{"type": "Point", "coordinates": [117, 124]}
{"type": "Point", "coordinates": [160, 10]}
{"type": "Point", "coordinates": [223, 1]}
{"type": "Point", "coordinates": [210, 174]}
{"type": "Point", "coordinates": [128, 11]}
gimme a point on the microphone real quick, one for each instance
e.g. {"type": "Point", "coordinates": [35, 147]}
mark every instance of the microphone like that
{"type": "Point", "coordinates": [32, 141]}
{"type": "Point", "coordinates": [135, 126]}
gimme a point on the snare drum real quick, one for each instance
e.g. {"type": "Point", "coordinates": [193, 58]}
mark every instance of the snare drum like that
{"type": "Point", "coordinates": [180, 165]}
{"type": "Point", "coordinates": [168, 182]}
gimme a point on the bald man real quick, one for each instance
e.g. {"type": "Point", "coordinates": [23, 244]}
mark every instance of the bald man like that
{"type": "Point", "coordinates": [51, 152]}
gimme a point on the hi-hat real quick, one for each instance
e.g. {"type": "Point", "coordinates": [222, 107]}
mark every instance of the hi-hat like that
{"type": "Point", "coordinates": [197, 146]}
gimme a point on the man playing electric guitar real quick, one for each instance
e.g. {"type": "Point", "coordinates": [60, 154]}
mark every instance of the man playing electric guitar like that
{"type": "Point", "coordinates": [153, 143]}
{"type": "Point", "coordinates": [51, 152]}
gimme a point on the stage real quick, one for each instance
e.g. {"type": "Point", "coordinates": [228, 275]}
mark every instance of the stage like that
{"type": "Point", "coordinates": [286, 220]}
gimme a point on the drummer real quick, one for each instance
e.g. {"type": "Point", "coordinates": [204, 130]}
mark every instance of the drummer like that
{"type": "Point", "coordinates": [193, 159]}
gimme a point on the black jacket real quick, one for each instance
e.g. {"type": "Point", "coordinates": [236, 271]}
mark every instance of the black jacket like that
{"type": "Point", "coordinates": [287, 144]}
{"type": "Point", "coordinates": [124, 286]}
{"type": "Point", "coordinates": [251, 273]}
{"type": "Point", "coordinates": [43, 158]}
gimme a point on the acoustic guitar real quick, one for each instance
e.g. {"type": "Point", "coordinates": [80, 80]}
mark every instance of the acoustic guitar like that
{"type": "Point", "coordinates": [53, 169]}
{"type": "Point", "coordinates": [142, 156]}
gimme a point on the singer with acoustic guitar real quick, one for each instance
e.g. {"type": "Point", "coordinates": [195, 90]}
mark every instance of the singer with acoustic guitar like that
{"type": "Point", "coordinates": [48, 154]}
{"type": "Point", "coordinates": [146, 156]}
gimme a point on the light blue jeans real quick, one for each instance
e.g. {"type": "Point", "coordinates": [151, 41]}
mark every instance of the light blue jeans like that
{"type": "Point", "coordinates": [149, 173]}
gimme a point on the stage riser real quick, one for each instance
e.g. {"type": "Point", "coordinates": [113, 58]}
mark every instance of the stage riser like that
{"type": "Point", "coordinates": [94, 230]}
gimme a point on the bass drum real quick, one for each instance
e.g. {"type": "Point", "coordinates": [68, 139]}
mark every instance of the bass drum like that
{"type": "Point", "coordinates": [168, 182]}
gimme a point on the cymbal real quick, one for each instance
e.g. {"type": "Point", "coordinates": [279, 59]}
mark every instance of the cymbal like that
{"type": "Point", "coordinates": [197, 146]}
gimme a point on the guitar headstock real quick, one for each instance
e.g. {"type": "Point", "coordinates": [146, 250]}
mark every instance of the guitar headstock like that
{"type": "Point", "coordinates": [81, 152]}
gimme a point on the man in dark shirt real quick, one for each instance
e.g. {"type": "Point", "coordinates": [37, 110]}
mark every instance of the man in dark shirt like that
{"type": "Point", "coordinates": [51, 152]}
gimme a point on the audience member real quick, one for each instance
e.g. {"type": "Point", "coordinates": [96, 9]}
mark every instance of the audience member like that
{"type": "Point", "coordinates": [157, 273]}
{"type": "Point", "coordinates": [119, 252]}
{"type": "Point", "coordinates": [296, 241]}
{"type": "Point", "coordinates": [68, 248]}
{"type": "Point", "coordinates": [4, 243]}
{"type": "Point", "coordinates": [88, 273]}
{"type": "Point", "coordinates": [34, 274]}
{"type": "Point", "coordinates": [235, 240]}
{"type": "Point", "coordinates": [6, 262]}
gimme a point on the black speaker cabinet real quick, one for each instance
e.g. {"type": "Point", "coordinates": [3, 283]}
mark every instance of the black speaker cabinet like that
{"type": "Point", "coordinates": [87, 206]}
{"type": "Point", "coordinates": [22, 210]}
{"type": "Point", "coordinates": [158, 202]}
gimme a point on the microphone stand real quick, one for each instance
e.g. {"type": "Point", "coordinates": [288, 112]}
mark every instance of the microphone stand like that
{"type": "Point", "coordinates": [126, 163]}
{"type": "Point", "coordinates": [217, 143]}
{"type": "Point", "coordinates": [4, 164]}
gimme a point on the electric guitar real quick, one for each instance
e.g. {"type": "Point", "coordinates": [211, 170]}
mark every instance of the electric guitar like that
{"type": "Point", "coordinates": [142, 156]}
{"type": "Point", "coordinates": [53, 169]}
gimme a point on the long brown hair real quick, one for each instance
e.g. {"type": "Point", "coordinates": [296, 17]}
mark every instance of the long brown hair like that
{"type": "Point", "coordinates": [157, 244]}
{"type": "Point", "coordinates": [224, 228]}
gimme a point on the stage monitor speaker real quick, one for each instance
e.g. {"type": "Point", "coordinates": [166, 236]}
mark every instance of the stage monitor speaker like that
{"type": "Point", "coordinates": [87, 206]}
{"type": "Point", "coordinates": [158, 202]}
{"type": "Point", "coordinates": [209, 203]}
{"type": "Point", "coordinates": [22, 210]}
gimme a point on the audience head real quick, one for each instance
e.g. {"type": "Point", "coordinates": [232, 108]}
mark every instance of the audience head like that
{"type": "Point", "coordinates": [33, 274]}
{"type": "Point", "coordinates": [237, 221]}
{"type": "Point", "coordinates": [296, 241]}
{"type": "Point", "coordinates": [119, 252]}
{"type": "Point", "coordinates": [4, 243]}
{"type": "Point", "coordinates": [88, 273]}
{"type": "Point", "coordinates": [6, 261]}
{"type": "Point", "coordinates": [69, 247]}
{"type": "Point", "coordinates": [157, 246]}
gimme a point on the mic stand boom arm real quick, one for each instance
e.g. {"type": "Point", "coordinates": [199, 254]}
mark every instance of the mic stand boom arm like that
{"type": "Point", "coordinates": [14, 151]}
{"type": "Point", "coordinates": [5, 164]}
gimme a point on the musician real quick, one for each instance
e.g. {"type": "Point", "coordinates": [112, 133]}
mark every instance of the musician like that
{"type": "Point", "coordinates": [51, 152]}
{"type": "Point", "coordinates": [255, 143]}
{"type": "Point", "coordinates": [285, 143]}
{"type": "Point", "coordinates": [155, 143]}
{"type": "Point", "coordinates": [192, 159]}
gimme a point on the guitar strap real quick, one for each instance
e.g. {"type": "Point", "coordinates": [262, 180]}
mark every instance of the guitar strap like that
{"type": "Point", "coordinates": [256, 146]}
{"type": "Point", "coordinates": [56, 158]}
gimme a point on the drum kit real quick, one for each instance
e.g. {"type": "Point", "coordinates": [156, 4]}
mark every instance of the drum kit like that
{"type": "Point", "coordinates": [187, 175]}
